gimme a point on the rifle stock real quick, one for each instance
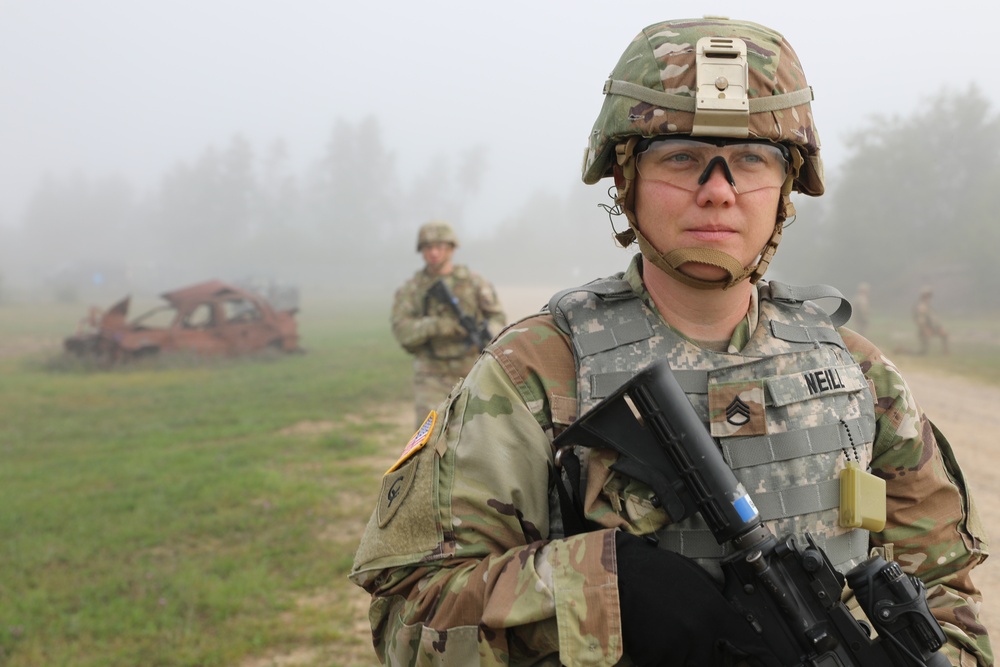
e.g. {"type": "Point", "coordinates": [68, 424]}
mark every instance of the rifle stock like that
{"type": "Point", "coordinates": [789, 592]}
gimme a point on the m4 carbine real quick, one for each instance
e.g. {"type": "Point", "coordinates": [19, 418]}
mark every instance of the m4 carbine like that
{"type": "Point", "coordinates": [478, 335]}
{"type": "Point", "coordinates": [789, 592]}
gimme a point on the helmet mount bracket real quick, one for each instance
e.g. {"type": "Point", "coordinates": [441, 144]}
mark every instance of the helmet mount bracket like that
{"type": "Point", "coordinates": [722, 107]}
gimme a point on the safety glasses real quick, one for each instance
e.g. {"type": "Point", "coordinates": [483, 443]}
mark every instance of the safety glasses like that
{"type": "Point", "coordinates": [687, 163]}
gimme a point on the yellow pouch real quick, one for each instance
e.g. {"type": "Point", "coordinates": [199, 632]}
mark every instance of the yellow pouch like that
{"type": "Point", "coordinates": [862, 498]}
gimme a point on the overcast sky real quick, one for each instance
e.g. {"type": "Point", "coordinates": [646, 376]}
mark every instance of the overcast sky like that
{"type": "Point", "coordinates": [130, 87]}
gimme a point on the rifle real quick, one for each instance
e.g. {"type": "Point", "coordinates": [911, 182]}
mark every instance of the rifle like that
{"type": "Point", "coordinates": [788, 592]}
{"type": "Point", "coordinates": [477, 334]}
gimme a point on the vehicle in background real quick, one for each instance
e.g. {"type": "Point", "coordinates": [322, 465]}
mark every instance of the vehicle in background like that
{"type": "Point", "coordinates": [281, 295]}
{"type": "Point", "coordinates": [210, 318]}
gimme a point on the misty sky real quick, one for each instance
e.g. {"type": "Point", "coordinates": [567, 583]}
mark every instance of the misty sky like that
{"type": "Point", "coordinates": [131, 87]}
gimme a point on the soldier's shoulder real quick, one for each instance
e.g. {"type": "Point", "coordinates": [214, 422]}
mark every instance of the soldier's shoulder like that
{"type": "Point", "coordinates": [535, 347]}
{"type": "Point", "coordinates": [529, 331]}
{"type": "Point", "coordinates": [884, 377]}
{"type": "Point", "coordinates": [873, 361]}
{"type": "Point", "coordinates": [858, 345]}
{"type": "Point", "coordinates": [463, 272]}
{"type": "Point", "coordinates": [414, 282]}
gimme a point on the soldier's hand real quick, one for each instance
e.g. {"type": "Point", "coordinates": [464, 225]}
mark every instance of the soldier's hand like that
{"type": "Point", "coordinates": [448, 328]}
{"type": "Point", "coordinates": [673, 612]}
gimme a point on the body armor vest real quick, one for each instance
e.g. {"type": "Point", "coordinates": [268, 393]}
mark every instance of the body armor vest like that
{"type": "Point", "coordinates": [788, 410]}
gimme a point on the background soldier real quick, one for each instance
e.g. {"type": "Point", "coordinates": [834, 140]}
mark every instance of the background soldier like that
{"type": "Point", "coordinates": [861, 318]}
{"type": "Point", "coordinates": [471, 555]}
{"type": "Point", "coordinates": [443, 316]}
{"type": "Point", "coordinates": [928, 325]}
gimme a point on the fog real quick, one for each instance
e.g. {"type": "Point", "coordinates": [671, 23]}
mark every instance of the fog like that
{"type": "Point", "coordinates": [159, 143]}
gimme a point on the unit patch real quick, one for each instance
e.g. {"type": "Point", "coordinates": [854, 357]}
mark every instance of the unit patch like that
{"type": "Point", "coordinates": [395, 486]}
{"type": "Point", "coordinates": [417, 442]}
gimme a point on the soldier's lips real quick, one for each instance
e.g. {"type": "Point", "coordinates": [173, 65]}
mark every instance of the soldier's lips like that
{"type": "Point", "coordinates": [711, 233]}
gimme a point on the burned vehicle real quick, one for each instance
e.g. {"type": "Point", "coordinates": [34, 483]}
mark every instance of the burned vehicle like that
{"type": "Point", "coordinates": [211, 318]}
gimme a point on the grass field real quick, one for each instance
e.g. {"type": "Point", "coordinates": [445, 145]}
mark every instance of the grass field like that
{"type": "Point", "coordinates": [181, 513]}
{"type": "Point", "coordinates": [178, 513]}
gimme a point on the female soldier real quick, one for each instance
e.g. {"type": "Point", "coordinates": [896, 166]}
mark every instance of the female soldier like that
{"type": "Point", "coordinates": [706, 129]}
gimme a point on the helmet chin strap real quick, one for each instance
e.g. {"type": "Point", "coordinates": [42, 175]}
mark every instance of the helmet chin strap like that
{"type": "Point", "coordinates": [671, 262]}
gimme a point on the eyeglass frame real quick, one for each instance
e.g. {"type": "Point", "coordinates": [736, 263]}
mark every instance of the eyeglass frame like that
{"type": "Point", "coordinates": [718, 142]}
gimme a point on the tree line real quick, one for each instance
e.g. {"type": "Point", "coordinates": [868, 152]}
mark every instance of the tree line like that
{"type": "Point", "coordinates": [915, 202]}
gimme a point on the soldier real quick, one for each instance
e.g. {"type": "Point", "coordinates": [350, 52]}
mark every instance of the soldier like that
{"type": "Point", "coordinates": [428, 322]}
{"type": "Point", "coordinates": [928, 325]}
{"type": "Point", "coordinates": [862, 309]}
{"type": "Point", "coordinates": [469, 555]}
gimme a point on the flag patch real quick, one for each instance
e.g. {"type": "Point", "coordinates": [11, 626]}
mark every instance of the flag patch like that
{"type": "Point", "coordinates": [417, 442]}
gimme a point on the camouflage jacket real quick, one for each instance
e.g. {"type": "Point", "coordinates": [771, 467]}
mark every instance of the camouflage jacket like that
{"type": "Point", "coordinates": [427, 328]}
{"type": "Point", "coordinates": [463, 557]}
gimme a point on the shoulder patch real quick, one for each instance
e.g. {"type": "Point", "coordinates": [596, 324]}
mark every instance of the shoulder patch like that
{"type": "Point", "coordinates": [395, 486]}
{"type": "Point", "coordinates": [416, 442]}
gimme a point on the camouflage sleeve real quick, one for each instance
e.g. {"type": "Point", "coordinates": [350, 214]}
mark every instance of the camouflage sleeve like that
{"type": "Point", "coordinates": [932, 527]}
{"type": "Point", "coordinates": [410, 326]}
{"type": "Point", "coordinates": [460, 561]}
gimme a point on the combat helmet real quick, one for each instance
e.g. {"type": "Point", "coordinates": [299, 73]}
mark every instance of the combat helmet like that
{"type": "Point", "coordinates": [436, 231]}
{"type": "Point", "coordinates": [709, 77]}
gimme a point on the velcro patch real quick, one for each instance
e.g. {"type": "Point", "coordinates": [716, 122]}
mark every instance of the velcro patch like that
{"type": "Point", "coordinates": [395, 486]}
{"type": "Point", "coordinates": [417, 442]}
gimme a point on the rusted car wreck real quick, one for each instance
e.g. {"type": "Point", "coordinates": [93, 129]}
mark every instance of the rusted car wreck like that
{"type": "Point", "coordinates": [210, 318]}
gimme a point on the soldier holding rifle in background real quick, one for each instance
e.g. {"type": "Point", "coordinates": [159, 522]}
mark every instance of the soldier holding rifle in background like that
{"type": "Point", "coordinates": [444, 315]}
{"type": "Point", "coordinates": [489, 546]}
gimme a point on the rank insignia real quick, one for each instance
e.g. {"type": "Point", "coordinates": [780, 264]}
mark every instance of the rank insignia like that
{"type": "Point", "coordinates": [737, 408]}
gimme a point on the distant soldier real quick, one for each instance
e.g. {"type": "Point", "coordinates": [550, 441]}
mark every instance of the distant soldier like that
{"type": "Point", "coordinates": [862, 309]}
{"type": "Point", "coordinates": [444, 315]}
{"type": "Point", "coordinates": [927, 322]}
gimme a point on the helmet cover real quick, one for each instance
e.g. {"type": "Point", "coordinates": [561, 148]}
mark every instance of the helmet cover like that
{"type": "Point", "coordinates": [663, 59]}
{"type": "Point", "coordinates": [436, 231]}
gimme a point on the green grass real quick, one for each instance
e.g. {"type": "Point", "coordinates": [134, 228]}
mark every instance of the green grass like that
{"type": "Point", "coordinates": [180, 512]}
{"type": "Point", "coordinates": [161, 514]}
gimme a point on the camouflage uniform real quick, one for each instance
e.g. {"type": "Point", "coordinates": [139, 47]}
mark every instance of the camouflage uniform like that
{"type": "Point", "coordinates": [429, 330]}
{"type": "Point", "coordinates": [466, 556]}
{"type": "Point", "coordinates": [466, 560]}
